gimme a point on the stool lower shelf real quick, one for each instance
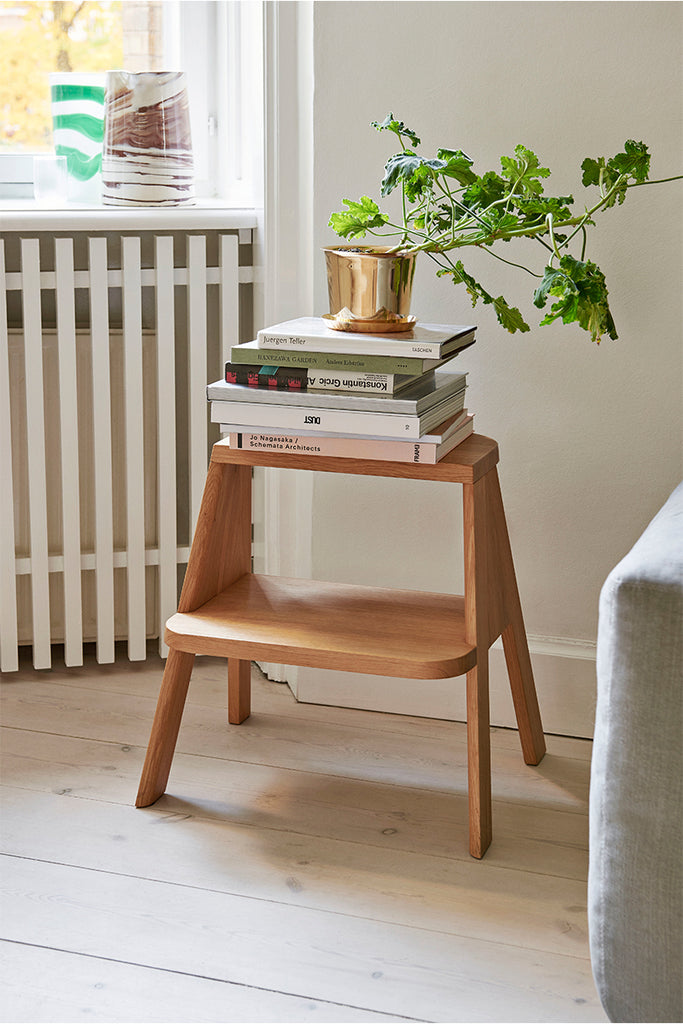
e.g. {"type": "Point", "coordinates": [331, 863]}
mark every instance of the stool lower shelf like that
{"type": "Point", "coordinates": [402, 633]}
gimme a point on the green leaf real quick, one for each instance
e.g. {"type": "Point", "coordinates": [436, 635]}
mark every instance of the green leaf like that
{"type": "Point", "coordinates": [508, 316]}
{"type": "Point", "coordinates": [536, 208]}
{"type": "Point", "coordinates": [581, 294]}
{"type": "Point", "coordinates": [552, 278]}
{"type": "Point", "coordinates": [591, 171]}
{"type": "Point", "coordinates": [414, 172]}
{"type": "Point", "coordinates": [633, 162]}
{"type": "Point", "coordinates": [359, 218]}
{"type": "Point", "coordinates": [500, 222]}
{"type": "Point", "coordinates": [488, 189]}
{"type": "Point", "coordinates": [420, 183]}
{"type": "Point", "coordinates": [390, 124]}
{"type": "Point", "coordinates": [524, 171]}
{"type": "Point", "coordinates": [457, 165]}
{"type": "Point", "coordinates": [437, 220]}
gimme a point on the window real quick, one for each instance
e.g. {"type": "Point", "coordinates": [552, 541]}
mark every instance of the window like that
{"type": "Point", "coordinates": [217, 44]}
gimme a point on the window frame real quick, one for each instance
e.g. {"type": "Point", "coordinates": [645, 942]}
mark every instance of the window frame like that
{"type": "Point", "coordinates": [219, 45]}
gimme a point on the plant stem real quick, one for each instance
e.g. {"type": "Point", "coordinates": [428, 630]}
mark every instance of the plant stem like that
{"type": "Point", "coordinates": [405, 215]}
{"type": "Point", "coordinates": [655, 181]}
{"type": "Point", "coordinates": [581, 226]}
{"type": "Point", "coordinates": [509, 262]}
{"type": "Point", "coordinates": [455, 203]}
{"type": "Point", "coordinates": [549, 220]}
{"type": "Point", "coordinates": [404, 237]}
{"type": "Point", "coordinates": [543, 243]}
{"type": "Point", "coordinates": [443, 259]}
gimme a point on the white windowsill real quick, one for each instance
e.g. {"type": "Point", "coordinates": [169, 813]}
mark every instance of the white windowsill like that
{"type": "Point", "coordinates": [27, 215]}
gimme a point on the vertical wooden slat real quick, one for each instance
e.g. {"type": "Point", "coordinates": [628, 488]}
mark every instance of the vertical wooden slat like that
{"type": "Point", "coordinates": [68, 419]}
{"type": "Point", "coordinates": [166, 436]}
{"type": "Point", "coordinates": [228, 294]}
{"type": "Point", "coordinates": [35, 420]}
{"type": "Point", "coordinates": [9, 660]}
{"type": "Point", "coordinates": [134, 433]}
{"type": "Point", "coordinates": [197, 369]}
{"type": "Point", "coordinates": [101, 387]}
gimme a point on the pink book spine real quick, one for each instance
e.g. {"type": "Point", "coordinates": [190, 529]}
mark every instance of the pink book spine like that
{"type": "Point", "coordinates": [350, 448]}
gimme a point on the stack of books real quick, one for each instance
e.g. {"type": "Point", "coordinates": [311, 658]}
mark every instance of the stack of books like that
{"type": "Point", "coordinates": [303, 387]}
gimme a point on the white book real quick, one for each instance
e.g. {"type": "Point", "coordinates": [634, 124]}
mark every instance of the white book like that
{"type": "Point", "coordinates": [354, 447]}
{"type": "Point", "coordinates": [426, 392]}
{"type": "Point", "coordinates": [298, 418]}
{"type": "Point", "coordinates": [429, 341]}
{"type": "Point", "coordinates": [437, 435]}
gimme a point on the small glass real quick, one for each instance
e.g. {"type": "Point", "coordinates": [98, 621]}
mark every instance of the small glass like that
{"type": "Point", "coordinates": [49, 179]}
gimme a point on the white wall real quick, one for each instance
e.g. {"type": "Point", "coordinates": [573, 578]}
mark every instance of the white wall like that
{"type": "Point", "coordinates": [590, 437]}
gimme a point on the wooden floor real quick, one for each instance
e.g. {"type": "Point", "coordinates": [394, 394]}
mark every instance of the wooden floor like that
{"type": "Point", "coordinates": [308, 865]}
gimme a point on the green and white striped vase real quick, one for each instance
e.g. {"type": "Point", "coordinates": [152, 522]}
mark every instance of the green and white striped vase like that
{"type": "Point", "coordinates": [78, 127]}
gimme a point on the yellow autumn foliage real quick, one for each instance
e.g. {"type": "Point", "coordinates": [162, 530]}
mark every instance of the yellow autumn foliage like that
{"type": "Point", "coordinates": [42, 36]}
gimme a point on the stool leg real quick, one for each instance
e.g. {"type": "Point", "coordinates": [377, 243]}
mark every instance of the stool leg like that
{"type": "Point", "coordinates": [523, 692]}
{"type": "Point", "coordinates": [479, 756]}
{"type": "Point", "coordinates": [515, 643]}
{"type": "Point", "coordinates": [165, 727]}
{"type": "Point", "coordinates": [239, 690]}
{"type": "Point", "coordinates": [478, 560]}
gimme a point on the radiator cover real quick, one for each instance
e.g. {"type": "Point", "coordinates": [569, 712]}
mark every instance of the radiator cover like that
{"type": "Point", "coordinates": [106, 345]}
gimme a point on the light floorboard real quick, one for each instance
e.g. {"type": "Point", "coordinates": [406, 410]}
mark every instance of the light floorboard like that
{"type": "Point", "coordinates": [349, 878]}
{"type": "Point", "coordinates": [208, 688]}
{"type": "Point", "coordinates": [310, 864]}
{"type": "Point", "coordinates": [436, 761]}
{"type": "Point", "coordinates": [66, 988]}
{"type": "Point", "coordinates": [549, 841]}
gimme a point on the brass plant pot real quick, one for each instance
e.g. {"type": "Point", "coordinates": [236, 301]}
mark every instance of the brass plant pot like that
{"type": "Point", "coordinates": [368, 280]}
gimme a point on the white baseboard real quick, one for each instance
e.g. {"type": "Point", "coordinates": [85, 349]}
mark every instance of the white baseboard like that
{"type": "Point", "coordinates": [564, 671]}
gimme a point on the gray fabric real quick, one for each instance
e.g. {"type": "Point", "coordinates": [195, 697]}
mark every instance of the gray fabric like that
{"type": "Point", "coordinates": [636, 797]}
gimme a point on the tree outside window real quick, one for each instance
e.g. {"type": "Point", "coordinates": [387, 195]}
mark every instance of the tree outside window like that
{"type": "Point", "coordinates": [42, 36]}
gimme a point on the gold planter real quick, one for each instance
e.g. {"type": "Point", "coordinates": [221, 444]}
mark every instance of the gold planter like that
{"type": "Point", "coordinates": [369, 281]}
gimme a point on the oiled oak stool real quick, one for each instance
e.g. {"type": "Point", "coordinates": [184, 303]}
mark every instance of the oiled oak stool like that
{"type": "Point", "coordinates": [226, 610]}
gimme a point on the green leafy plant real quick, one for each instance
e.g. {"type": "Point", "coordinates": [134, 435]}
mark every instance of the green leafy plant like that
{"type": "Point", "coordinates": [447, 206]}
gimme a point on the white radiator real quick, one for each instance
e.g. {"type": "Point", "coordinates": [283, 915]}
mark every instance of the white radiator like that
{"type": "Point", "coordinates": [106, 346]}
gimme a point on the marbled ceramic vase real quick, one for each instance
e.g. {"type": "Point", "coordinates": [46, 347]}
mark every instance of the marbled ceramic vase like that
{"type": "Point", "coordinates": [147, 155]}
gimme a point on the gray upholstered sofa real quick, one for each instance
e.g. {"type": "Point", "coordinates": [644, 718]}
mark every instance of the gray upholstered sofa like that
{"type": "Point", "coordinates": [635, 903]}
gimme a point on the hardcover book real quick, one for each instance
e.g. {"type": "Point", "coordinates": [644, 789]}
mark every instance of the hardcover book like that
{"type": "Point", "coordinates": [293, 378]}
{"type": "Point", "coordinates": [301, 378]}
{"type": "Point", "coordinates": [426, 392]}
{"type": "Point", "coordinates": [430, 341]}
{"type": "Point", "coordinates": [436, 434]}
{"type": "Point", "coordinates": [263, 416]}
{"type": "Point", "coordinates": [337, 362]}
{"type": "Point", "coordinates": [355, 448]}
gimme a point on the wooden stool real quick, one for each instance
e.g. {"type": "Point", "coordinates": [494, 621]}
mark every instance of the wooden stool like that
{"type": "Point", "coordinates": [228, 611]}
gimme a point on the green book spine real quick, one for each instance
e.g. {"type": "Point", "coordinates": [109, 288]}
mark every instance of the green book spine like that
{"type": "Point", "coordinates": [250, 354]}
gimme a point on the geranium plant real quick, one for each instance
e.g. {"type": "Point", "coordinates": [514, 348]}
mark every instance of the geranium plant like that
{"type": "Point", "coordinates": [447, 206]}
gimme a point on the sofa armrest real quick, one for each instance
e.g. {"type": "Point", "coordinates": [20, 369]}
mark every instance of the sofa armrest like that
{"type": "Point", "coordinates": [636, 798]}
